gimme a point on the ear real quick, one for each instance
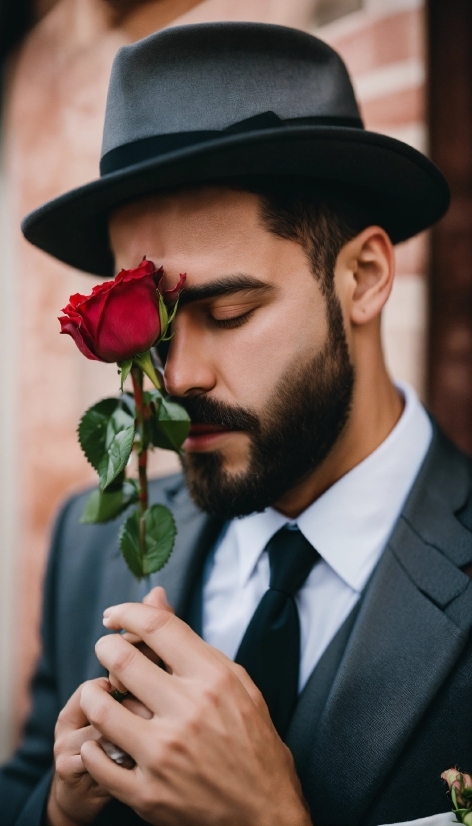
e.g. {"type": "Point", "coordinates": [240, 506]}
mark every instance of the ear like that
{"type": "Point", "coordinates": [369, 261]}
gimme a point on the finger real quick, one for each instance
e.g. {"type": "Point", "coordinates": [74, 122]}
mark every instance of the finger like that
{"type": "Point", "coordinates": [74, 767]}
{"type": "Point", "coordinates": [115, 683]}
{"type": "Point", "coordinates": [137, 707]}
{"type": "Point", "coordinates": [169, 637]}
{"type": "Point", "coordinates": [75, 740]}
{"type": "Point", "coordinates": [157, 597]}
{"type": "Point", "coordinates": [141, 646]}
{"type": "Point", "coordinates": [137, 673]}
{"type": "Point", "coordinates": [244, 679]}
{"type": "Point", "coordinates": [119, 782]}
{"type": "Point", "coordinates": [111, 719]}
{"type": "Point", "coordinates": [72, 716]}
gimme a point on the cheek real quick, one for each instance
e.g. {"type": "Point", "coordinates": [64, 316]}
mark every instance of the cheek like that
{"type": "Point", "coordinates": [256, 356]}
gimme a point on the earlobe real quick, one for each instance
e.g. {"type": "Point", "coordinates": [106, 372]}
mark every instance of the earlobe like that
{"type": "Point", "coordinates": [373, 271]}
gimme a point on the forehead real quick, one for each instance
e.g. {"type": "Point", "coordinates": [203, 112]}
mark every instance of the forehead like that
{"type": "Point", "coordinates": [205, 232]}
{"type": "Point", "coordinates": [186, 221]}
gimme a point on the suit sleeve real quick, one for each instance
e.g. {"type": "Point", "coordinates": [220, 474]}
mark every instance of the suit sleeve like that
{"type": "Point", "coordinates": [25, 779]}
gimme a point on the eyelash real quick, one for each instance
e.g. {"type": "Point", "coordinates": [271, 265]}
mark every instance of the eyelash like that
{"type": "Point", "coordinates": [233, 323]}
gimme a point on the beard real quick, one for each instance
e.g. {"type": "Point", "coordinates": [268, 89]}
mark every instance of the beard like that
{"type": "Point", "coordinates": [293, 435]}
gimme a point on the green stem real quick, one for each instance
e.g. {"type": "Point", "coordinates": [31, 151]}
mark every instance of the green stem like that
{"type": "Point", "coordinates": [141, 412]}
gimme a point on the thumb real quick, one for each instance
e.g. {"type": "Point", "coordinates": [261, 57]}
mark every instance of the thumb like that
{"type": "Point", "coordinates": [158, 599]}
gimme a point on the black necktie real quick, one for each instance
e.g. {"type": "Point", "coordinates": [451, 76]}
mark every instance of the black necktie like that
{"type": "Point", "coordinates": [270, 648]}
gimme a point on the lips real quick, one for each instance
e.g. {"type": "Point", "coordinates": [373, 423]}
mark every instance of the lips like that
{"type": "Point", "coordinates": [204, 437]}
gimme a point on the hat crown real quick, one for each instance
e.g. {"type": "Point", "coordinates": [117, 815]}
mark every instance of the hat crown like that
{"type": "Point", "coordinates": [211, 75]}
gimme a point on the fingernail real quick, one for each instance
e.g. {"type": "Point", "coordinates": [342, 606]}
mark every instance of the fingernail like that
{"type": "Point", "coordinates": [106, 621]}
{"type": "Point", "coordinates": [108, 611]}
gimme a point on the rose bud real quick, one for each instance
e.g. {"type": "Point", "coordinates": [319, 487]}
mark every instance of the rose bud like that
{"type": "Point", "coordinates": [459, 781]}
{"type": "Point", "coordinates": [120, 318]}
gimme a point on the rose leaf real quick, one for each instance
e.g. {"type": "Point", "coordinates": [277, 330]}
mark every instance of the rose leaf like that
{"type": "Point", "coordinates": [103, 507]}
{"type": "Point", "coordinates": [116, 458]}
{"type": "Point", "coordinates": [120, 420]}
{"type": "Point", "coordinates": [129, 545]}
{"type": "Point", "coordinates": [159, 537]}
{"type": "Point", "coordinates": [92, 430]}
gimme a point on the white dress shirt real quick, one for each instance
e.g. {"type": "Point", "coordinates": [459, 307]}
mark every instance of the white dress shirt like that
{"type": "Point", "coordinates": [349, 526]}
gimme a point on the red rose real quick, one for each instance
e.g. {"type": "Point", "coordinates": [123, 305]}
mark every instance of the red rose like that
{"type": "Point", "coordinates": [120, 318]}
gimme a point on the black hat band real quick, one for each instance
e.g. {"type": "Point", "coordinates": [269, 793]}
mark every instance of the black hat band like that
{"type": "Point", "coordinates": [147, 148]}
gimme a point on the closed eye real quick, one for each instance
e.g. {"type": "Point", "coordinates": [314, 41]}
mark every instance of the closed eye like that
{"type": "Point", "coordinates": [233, 322]}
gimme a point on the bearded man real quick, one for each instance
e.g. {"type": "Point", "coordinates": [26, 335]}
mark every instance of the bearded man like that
{"type": "Point", "coordinates": [317, 668]}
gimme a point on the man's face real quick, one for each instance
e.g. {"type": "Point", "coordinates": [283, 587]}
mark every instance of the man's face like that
{"type": "Point", "coordinates": [258, 358]}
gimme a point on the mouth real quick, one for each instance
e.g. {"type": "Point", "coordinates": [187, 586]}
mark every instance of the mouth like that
{"type": "Point", "coordinates": [204, 437]}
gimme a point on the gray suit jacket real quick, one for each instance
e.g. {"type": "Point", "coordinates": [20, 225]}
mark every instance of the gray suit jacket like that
{"type": "Point", "coordinates": [388, 708]}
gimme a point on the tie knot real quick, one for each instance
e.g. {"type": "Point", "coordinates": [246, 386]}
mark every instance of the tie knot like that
{"type": "Point", "coordinates": [291, 559]}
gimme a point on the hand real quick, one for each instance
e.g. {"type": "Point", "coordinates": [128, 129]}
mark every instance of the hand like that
{"type": "Point", "coordinates": [209, 753]}
{"type": "Point", "coordinates": [75, 798]}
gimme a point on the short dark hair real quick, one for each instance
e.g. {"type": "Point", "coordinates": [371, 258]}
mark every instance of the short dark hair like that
{"type": "Point", "coordinates": [322, 221]}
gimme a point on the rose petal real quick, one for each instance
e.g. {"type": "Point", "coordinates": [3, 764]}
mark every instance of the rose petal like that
{"type": "Point", "coordinates": [171, 296]}
{"type": "Point", "coordinates": [120, 318]}
{"type": "Point", "coordinates": [130, 323]}
{"type": "Point", "coordinates": [70, 328]}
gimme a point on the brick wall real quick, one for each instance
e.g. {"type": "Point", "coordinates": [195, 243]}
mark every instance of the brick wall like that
{"type": "Point", "coordinates": [383, 47]}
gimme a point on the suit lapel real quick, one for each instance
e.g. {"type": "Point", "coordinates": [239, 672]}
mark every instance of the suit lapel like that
{"type": "Point", "coordinates": [412, 625]}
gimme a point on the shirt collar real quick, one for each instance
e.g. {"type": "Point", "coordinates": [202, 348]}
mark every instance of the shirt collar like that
{"type": "Point", "coordinates": [349, 525]}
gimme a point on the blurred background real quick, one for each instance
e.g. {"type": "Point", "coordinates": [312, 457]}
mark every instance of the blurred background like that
{"type": "Point", "coordinates": [411, 64]}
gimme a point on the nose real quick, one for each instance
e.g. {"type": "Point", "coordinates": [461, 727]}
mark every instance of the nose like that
{"type": "Point", "coordinates": [188, 368]}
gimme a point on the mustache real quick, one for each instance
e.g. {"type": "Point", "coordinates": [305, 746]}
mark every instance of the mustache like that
{"type": "Point", "coordinates": [203, 410]}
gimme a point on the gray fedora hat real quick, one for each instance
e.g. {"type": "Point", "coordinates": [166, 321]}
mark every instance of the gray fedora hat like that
{"type": "Point", "coordinates": [203, 103]}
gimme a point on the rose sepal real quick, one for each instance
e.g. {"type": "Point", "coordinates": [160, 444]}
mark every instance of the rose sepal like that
{"type": "Point", "coordinates": [144, 361]}
{"type": "Point", "coordinates": [169, 423]}
{"type": "Point", "coordinates": [166, 318]}
{"type": "Point", "coordinates": [124, 369]}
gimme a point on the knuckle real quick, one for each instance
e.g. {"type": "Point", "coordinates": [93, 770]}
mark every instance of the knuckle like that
{"type": "Point", "coordinates": [172, 744]}
{"type": "Point", "coordinates": [62, 767]}
{"type": "Point", "coordinates": [209, 697]}
{"type": "Point", "coordinates": [116, 652]}
{"type": "Point", "coordinates": [155, 620]}
{"type": "Point", "coordinates": [221, 680]}
{"type": "Point", "coordinates": [61, 717]}
{"type": "Point", "coordinates": [123, 658]}
{"type": "Point", "coordinates": [153, 754]}
{"type": "Point", "coordinates": [194, 726]}
{"type": "Point", "coordinates": [97, 713]}
{"type": "Point", "coordinates": [257, 698]}
{"type": "Point", "coordinates": [59, 747]}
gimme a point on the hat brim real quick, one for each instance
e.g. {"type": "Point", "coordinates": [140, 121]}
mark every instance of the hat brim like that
{"type": "Point", "coordinates": [405, 192]}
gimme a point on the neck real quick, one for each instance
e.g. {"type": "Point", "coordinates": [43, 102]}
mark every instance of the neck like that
{"type": "Point", "coordinates": [376, 409]}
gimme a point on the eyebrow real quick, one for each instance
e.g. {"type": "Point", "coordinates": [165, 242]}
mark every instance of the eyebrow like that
{"type": "Point", "coordinates": [227, 285]}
